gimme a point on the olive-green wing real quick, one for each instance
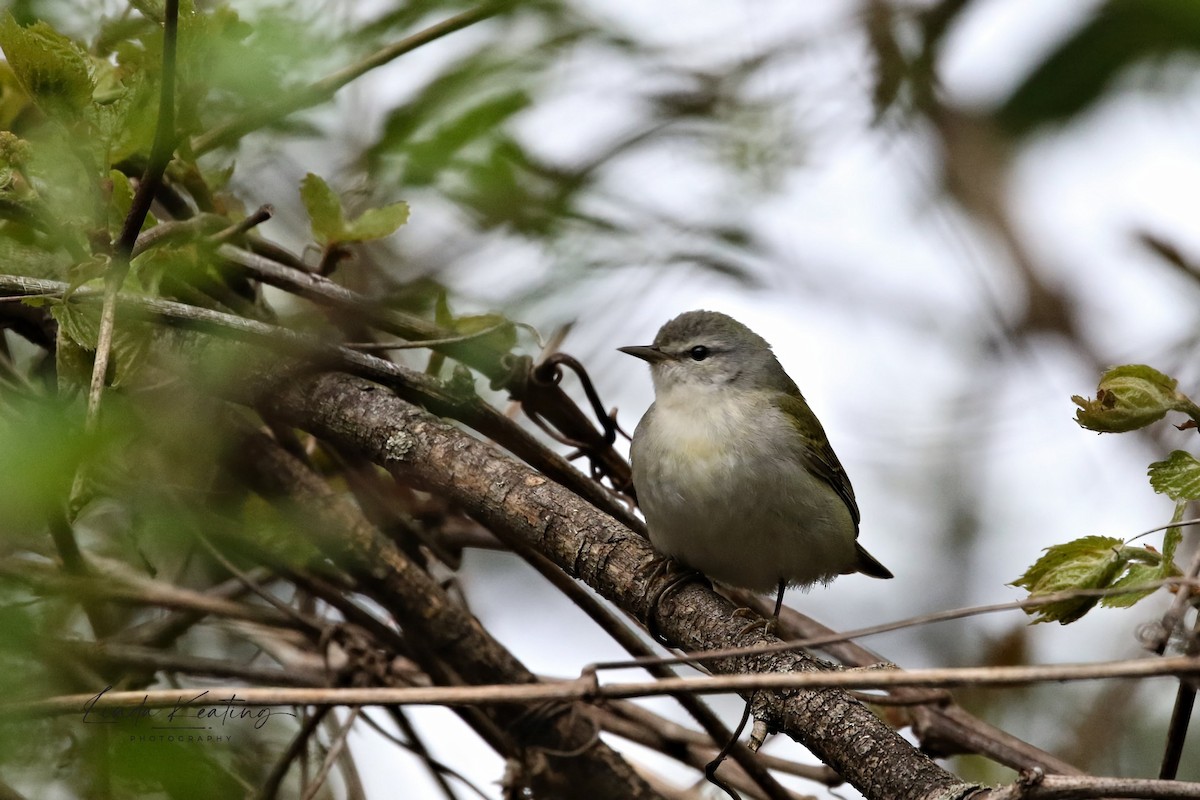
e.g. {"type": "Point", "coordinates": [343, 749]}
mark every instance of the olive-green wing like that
{"type": "Point", "coordinates": [818, 456]}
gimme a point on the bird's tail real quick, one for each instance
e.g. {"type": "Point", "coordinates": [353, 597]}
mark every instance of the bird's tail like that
{"type": "Point", "coordinates": [867, 564]}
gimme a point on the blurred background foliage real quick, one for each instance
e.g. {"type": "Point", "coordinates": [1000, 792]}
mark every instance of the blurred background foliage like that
{"type": "Point", "coordinates": [828, 172]}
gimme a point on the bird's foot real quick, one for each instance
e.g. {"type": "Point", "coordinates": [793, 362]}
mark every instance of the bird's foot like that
{"type": "Point", "coordinates": [768, 626]}
{"type": "Point", "coordinates": [672, 575]}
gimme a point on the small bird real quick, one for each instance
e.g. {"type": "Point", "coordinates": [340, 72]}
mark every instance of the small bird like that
{"type": "Point", "coordinates": [732, 468]}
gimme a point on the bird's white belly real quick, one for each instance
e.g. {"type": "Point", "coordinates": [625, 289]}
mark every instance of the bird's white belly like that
{"type": "Point", "coordinates": [741, 509]}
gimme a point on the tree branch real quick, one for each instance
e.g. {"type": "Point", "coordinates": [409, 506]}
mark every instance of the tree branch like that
{"type": "Point", "coordinates": [443, 629]}
{"type": "Point", "coordinates": [519, 504]}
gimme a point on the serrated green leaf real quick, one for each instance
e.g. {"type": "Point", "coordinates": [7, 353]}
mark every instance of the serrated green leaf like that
{"type": "Point", "coordinates": [79, 322]}
{"type": "Point", "coordinates": [1178, 477]}
{"type": "Point", "coordinates": [1129, 397]}
{"type": "Point", "coordinates": [376, 223]}
{"type": "Point", "coordinates": [72, 364]}
{"type": "Point", "coordinates": [119, 201]}
{"type": "Point", "coordinates": [324, 209]}
{"type": "Point", "coordinates": [1138, 573]}
{"type": "Point", "coordinates": [130, 349]}
{"type": "Point", "coordinates": [1150, 566]}
{"type": "Point", "coordinates": [13, 99]}
{"type": "Point", "coordinates": [78, 334]}
{"type": "Point", "coordinates": [1096, 562]}
{"type": "Point", "coordinates": [51, 68]}
{"type": "Point", "coordinates": [80, 273]}
{"type": "Point", "coordinates": [1092, 562]}
{"type": "Point", "coordinates": [1061, 554]}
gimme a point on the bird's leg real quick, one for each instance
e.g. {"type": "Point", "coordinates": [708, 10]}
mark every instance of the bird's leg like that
{"type": "Point", "coordinates": [710, 769]}
{"type": "Point", "coordinates": [768, 625]}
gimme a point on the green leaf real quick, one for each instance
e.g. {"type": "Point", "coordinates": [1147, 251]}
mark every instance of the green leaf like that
{"type": "Point", "coordinates": [1078, 73]}
{"type": "Point", "coordinates": [329, 224]}
{"type": "Point", "coordinates": [1129, 397]}
{"type": "Point", "coordinates": [13, 99]}
{"type": "Point", "coordinates": [1178, 477]}
{"type": "Point", "coordinates": [429, 157]}
{"type": "Point", "coordinates": [1092, 562]}
{"type": "Point", "coordinates": [79, 322]}
{"type": "Point", "coordinates": [324, 209]}
{"type": "Point", "coordinates": [501, 335]}
{"type": "Point", "coordinates": [51, 68]}
{"type": "Point", "coordinates": [1138, 573]}
{"type": "Point", "coordinates": [1146, 570]}
{"type": "Point", "coordinates": [376, 223]}
{"type": "Point", "coordinates": [41, 446]}
{"type": "Point", "coordinates": [119, 202]}
{"type": "Point", "coordinates": [78, 334]}
{"type": "Point", "coordinates": [1097, 562]}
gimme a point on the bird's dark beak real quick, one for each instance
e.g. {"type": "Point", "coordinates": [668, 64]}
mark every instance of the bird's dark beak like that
{"type": "Point", "coordinates": [645, 353]}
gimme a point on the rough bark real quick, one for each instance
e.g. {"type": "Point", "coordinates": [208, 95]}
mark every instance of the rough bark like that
{"type": "Point", "coordinates": [518, 503]}
{"type": "Point", "coordinates": [447, 635]}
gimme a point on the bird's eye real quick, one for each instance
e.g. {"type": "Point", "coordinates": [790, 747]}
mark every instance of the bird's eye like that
{"type": "Point", "coordinates": [698, 353]}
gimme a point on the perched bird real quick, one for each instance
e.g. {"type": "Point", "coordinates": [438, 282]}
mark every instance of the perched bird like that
{"type": "Point", "coordinates": [732, 468]}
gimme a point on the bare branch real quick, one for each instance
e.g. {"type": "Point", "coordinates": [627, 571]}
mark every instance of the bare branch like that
{"type": "Point", "coordinates": [586, 688]}
{"type": "Point", "coordinates": [520, 505]}
{"type": "Point", "coordinates": [1062, 787]}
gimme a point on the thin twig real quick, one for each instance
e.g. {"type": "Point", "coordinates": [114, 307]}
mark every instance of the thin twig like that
{"type": "Point", "coordinates": [1072, 787]}
{"type": "Point", "coordinates": [298, 744]}
{"type": "Point", "coordinates": [179, 230]}
{"type": "Point", "coordinates": [585, 688]}
{"type": "Point", "coordinates": [160, 155]}
{"type": "Point", "coordinates": [261, 215]}
{"type": "Point", "coordinates": [466, 337]}
{"type": "Point", "coordinates": [246, 579]}
{"type": "Point", "coordinates": [159, 633]}
{"type": "Point", "coordinates": [504, 371]}
{"type": "Point", "coordinates": [438, 772]}
{"type": "Point", "coordinates": [887, 627]}
{"type": "Point", "coordinates": [936, 725]}
{"type": "Point", "coordinates": [331, 757]}
{"type": "Point", "coordinates": [638, 724]}
{"type": "Point", "coordinates": [416, 386]}
{"type": "Point", "coordinates": [615, 628]}
{"type": "Point", "coordinates": [1185, 693]}
{"type": "Point", "coordinates": [321, 91]}
{"type": "Point", "coordinates": [153, 660]}
{"type": "Point", "coordinates": [144, 591]}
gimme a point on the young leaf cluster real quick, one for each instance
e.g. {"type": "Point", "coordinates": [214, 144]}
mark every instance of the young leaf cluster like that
{"type": "Point", "coordinates": [1128, 398]}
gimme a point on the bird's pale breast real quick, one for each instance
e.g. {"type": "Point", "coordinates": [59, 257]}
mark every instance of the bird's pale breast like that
{"type": "Point", "coordinates": [724, 490]}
